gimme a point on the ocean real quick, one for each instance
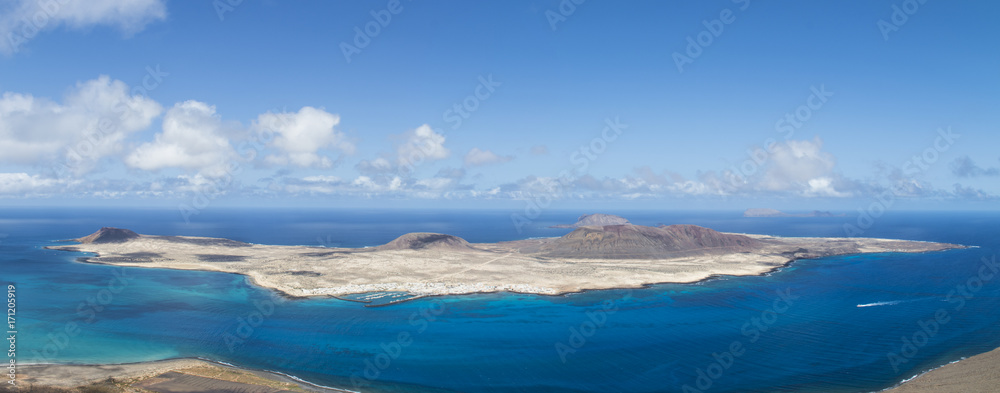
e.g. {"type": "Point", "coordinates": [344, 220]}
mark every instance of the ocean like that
{"type": "Point", "coordinates": [856, 323]}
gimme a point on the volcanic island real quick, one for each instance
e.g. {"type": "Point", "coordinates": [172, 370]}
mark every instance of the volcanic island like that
{"type": "Point", "coordinates": [620, 255]}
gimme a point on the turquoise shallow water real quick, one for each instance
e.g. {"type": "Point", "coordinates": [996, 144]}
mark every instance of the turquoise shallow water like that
{"type": "Point", "coordinates": [799, 329]}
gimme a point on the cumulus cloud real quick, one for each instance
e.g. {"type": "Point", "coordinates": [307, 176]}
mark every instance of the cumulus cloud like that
{"type": "Point", "coordinates": [965, 167]}
{"type": "Point", "coordinates": [318, 184]}
{"type": "Point", "coordinates": [799, 165]}
{"type": "Point", "coordinates": [366, 184]}
{"type": "Point", "coordinates": [322, 179]}
{"type": "Point", "coordinates": [374, 167]}
{"type": "Point", "coordinates": [434, 183]}
{"type": "Point", "coordinates": [539, 150]}
{"type": "Point", "coordinates": [193, 138]}
{"type": "Point", "coordinates": [23, 183]}
{"type": "Point", "coordinates": [445, 184]}
{"type": "Point", "coordinates": [971, 193]}
{"type": "Point", "coordinates": [91, 122]}
{"type": "Point", "coordinates": [422, 144]}
{"type": "Point", "coordinates": [300, 136]}
{"type": "Point", "coordinates": [477, 157]}
{"type": "Point", "coordinates": [22, 20]}
{"type": "Point", "coordinates": [893, 179]}
{"type": "Point", "coordinates": [823, 187]}
{"type": "Point", "coordinates": [413, 148]}
{"type": "Point", "coordinates": [793, 168]}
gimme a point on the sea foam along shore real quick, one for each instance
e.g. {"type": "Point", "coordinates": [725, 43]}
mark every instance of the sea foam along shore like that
{"type": "Point", "coordinates": [980, 373]}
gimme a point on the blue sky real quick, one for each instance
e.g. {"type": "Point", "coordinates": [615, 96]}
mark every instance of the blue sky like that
{"type": "Point", "coordinates": [257, 104]}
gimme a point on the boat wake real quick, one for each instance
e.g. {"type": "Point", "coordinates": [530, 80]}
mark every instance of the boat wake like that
{"type": "Point", "coordinates": [892, 302]}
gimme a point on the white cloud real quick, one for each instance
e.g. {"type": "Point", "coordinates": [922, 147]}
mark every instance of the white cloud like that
{"type": "Point", "coordinates": [321, 179]}
{"type": "Point", "coordinates": [197, 183]}
{"type": "Point", "coordinates": [476, 157]}
{"type": "Point", "coordinates": [493, 192]}
{"type": "Point", "coordinates": [435, 183]}
{"type": "Point", "coordinates": [415, 147]}
{"type": "Point", "coordinates": [301, 135]}
{"type": "Point", "coordinates": [22, 20]}
{"type": "Point", "coordinates": [965, 167]}
{"type": "Point", "coordinates": [798, 165]}
{"type": "Point", "coordinates": [974, 194]}
{"type": "Point", "coordinates": [823, 187]}
{"type": "Point", "coordinates": [22, 183]}
{"type": "Point", "coordinates": [374, 167]}
{"type": "Point", "coordinates": [192, 138]}
{"type": "Point", "coordinates": [794, 168]}
{"type": "Point", "coordinates": [803, 167]}
{"type": "Point", "coordinates": [422, 145]}
{"type": "Point", "coordinates": [379, 186]}
{"type": "Point", "coordinates": [366, 184]}
{"type": "Point", "coordinates": [93, 120]}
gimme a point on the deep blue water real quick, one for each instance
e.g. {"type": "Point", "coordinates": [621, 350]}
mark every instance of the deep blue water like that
{"type": "Point", "coordinates": [657, 339]}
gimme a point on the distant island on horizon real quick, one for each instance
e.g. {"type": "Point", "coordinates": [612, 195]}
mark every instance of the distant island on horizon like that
{"type": "Point", "coordinates": [764, 212]}
{"type": "Point", "coordinates": [595, 220]}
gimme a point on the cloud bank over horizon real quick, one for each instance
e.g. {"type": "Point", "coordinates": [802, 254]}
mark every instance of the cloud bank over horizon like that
{"type": "Point", "coordinates": [74, 147]}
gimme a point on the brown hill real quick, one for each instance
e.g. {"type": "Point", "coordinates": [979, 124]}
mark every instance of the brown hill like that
{"type": "Point", "coordinates": [595, 220]}
{"type": "Point", "coordinates": [637, 241]}
{"type": "Point", "coordinates": [108, 235]}
{"type": "Point", "coordinates": [423, 241]}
